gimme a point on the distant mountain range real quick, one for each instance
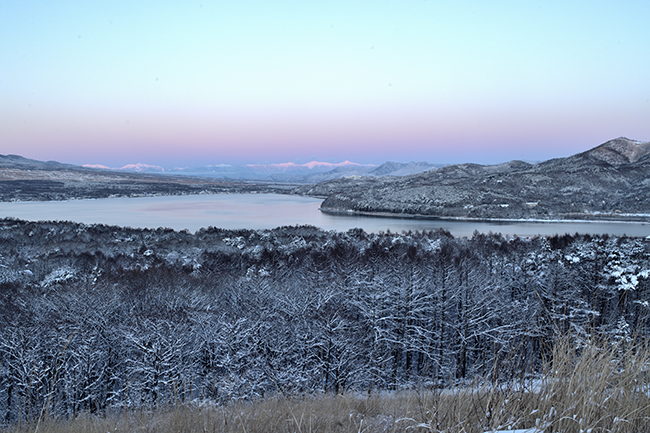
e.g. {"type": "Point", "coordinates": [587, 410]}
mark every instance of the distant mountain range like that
{"type": "Point", "coordinates": [310, 172]}
{"type": "Point", "coordinates": [27, 179]}
{"type": "Point", "coordinates": [610, 181]}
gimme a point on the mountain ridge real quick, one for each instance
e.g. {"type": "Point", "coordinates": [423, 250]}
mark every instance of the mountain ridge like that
{"type": "Point", "coordinates": [309, 172]}
{"type": "Point", "coordinates": [610, 181]}
{"type": "Point", "coordinates": [28, 179]}
{"type": "Point", "coordinates": [280, 167]}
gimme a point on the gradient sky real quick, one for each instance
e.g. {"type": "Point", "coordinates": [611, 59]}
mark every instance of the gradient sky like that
{"type": "Point", "coordinates": [182, 83]}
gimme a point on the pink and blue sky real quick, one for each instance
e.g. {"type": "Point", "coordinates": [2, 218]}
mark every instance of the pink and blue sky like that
{"type": "Point", "coordinates": [188, 83]}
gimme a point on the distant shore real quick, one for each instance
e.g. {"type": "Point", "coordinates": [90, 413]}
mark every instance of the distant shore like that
{"type": "Point", "coordinates": [577, 217]}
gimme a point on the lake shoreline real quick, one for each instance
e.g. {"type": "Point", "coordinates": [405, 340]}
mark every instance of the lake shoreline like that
{"type": "Point", "coordinates": [590, 218]}
{"type": "Point", "coordinates": [266, 211]}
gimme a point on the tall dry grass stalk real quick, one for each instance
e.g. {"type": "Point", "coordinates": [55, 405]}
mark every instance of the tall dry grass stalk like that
{"type": "Point", "coordinates": [597, 386]}
{"type": "Point", "coordinates": [594, 387]}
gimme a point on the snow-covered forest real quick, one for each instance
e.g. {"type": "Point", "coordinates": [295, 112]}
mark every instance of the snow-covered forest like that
{"type": "Point", "coordinates": [97, 318]}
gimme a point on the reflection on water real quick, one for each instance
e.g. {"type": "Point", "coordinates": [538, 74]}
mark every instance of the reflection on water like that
{"type": "Point", "coordinates": [261, 211]}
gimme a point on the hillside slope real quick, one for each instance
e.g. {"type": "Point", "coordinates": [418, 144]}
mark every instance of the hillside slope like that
{"type": "Point", "coordinates": [610, 181]}
{"type": "Point", "coordinates": [27, 179]}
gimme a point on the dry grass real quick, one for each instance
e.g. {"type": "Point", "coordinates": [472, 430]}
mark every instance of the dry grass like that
{"type": "Point", "coordinates": [306, 414]}
{"type": "Point", "coordinates": [598, 388]}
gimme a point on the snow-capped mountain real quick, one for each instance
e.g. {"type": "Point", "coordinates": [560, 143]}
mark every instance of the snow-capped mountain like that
{"type": "Point", "coordinates": [309, 172]}
{"type": "Point", "coordinates": [282, 172]}
{"type": "Point", "coordinates": [139, 167]}
{"type": "Point", "coordinates": [308, 166]}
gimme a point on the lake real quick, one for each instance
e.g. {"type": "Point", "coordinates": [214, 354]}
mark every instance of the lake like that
{"type": "Point", "coordinates": [266, 211]}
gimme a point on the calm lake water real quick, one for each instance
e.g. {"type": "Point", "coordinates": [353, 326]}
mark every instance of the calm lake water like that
{"type": "Point", "coordinates": [266, 211]}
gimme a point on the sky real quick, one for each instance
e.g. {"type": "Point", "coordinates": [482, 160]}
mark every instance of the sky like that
{"type": "Point", "coordinates": [191, 83]}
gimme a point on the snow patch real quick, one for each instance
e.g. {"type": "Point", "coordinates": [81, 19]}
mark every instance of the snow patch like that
{"type": "Point", "coordinates": [59, 276]}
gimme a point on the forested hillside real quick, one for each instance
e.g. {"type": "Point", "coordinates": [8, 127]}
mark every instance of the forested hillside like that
{"type": "Point", "coordinates": [94, 318]}
{"type": "Point", "coordinates": [607, 182]}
